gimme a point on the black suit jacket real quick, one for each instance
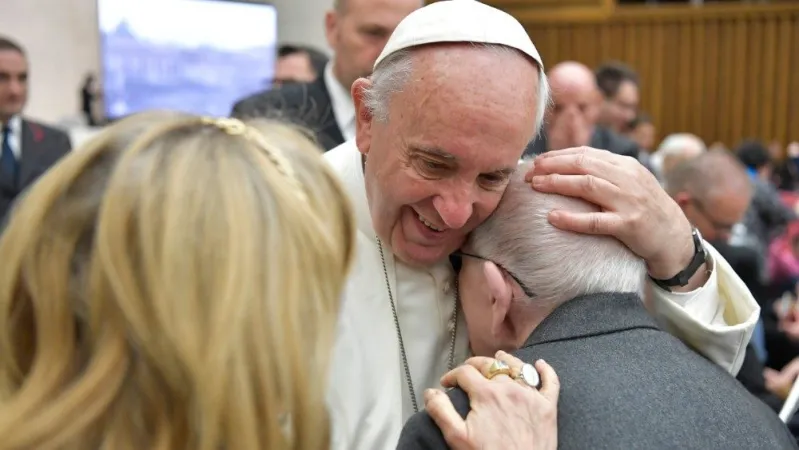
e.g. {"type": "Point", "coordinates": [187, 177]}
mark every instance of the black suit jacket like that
{"type": "Point", "coordinates": [603, 139]}
{"type": "Point", "coordinates": [305, 104]}
{"type": "Point", "coordinates": [626, 384]}
{"type": "Point", "coordinates": [41, 147]}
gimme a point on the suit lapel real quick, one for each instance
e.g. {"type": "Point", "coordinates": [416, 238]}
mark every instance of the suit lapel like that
{"type": "Point", "coordinates": [328, 123]}
{"type": "Point", "coordinates": [34, 158]}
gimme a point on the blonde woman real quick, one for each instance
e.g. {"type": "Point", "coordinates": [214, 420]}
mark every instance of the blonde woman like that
{"type": "Point", "coordinates": [175, 285]}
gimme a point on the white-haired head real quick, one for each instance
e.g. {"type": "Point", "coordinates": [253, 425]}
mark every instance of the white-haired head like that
{"type": "Point", "coordinates": [556, 265]}
{"type": "Point", "coordinates": [675, 149]}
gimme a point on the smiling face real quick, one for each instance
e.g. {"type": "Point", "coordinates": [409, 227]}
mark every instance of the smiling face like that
{"type": "Point", "coordinates": [438, 166]}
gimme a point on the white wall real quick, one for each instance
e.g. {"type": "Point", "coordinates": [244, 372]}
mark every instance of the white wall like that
{"type": "Point", "coordinates": [61, 39]}
{"type": "Point", "coordinates": [302, 22]}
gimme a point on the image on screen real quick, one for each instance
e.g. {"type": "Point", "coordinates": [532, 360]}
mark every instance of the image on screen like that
{"type": "Point", "coordinates": [196, 56]}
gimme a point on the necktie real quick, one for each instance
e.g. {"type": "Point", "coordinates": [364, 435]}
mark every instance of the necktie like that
{"type": "Point", "coordinates": [8, 162]}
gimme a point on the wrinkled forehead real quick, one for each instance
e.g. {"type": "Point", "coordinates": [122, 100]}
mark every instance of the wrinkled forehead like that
{"type": "Point", "coordinates": [471, 90]}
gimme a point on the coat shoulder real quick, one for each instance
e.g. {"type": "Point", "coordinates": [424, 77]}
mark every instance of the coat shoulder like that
{"type": "Point", "coordinates": [421, 432]}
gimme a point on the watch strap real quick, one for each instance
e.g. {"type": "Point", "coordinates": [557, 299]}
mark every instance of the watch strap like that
{"type": "Point", "coordinates": [684, 276]}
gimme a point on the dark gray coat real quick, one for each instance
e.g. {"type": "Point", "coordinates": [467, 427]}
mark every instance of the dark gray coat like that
{"type": "Point", "coordinates": [625, 384]}
{"type": "Point", "coordinates": [41, 147]}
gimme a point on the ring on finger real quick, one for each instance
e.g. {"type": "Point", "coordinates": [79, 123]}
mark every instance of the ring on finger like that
{"type": "Point", "coordinates": [498, 368]}
{"type": "Point", "coordinates": [528, 376]}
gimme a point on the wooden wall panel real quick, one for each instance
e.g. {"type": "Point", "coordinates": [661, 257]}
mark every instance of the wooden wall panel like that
{"type": "Point", "coordinates": [723, 72]}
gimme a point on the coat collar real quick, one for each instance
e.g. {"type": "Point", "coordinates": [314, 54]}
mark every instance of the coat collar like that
{"type": "Point", "coordinates": [592, 315]}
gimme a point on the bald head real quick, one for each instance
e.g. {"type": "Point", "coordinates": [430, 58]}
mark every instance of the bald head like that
{"type": "Point", "coordinates": [576, 100]}
{"type": "Point", "coordinates": [572, 76]}
{"type": "Point", "coordinates": [707, 174]}
{"type": "Point", "coordinates": [713, 190]}
{"type": "Point", "coordinates": [678, 148]}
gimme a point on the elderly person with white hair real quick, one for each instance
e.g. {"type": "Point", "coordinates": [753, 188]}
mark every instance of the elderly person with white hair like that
{"type": "Point", "coordinates": [675, 149]}
{"type": "Point", "coordinates": [574, 300]}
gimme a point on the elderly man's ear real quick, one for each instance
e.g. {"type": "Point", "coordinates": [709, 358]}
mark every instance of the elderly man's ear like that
{"type": "Point", "coordinates": [501, 293]}
{"type": "Point", "coordinates": [363, 116]}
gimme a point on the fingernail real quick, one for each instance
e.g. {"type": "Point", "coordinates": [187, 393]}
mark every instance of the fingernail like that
{"type": "Point", "coordinates": [538, 181]}
{"type": "Point", "coordinates": [500, 353]}
{"type": "Point", "coordinates": [541, 361]}
{"type": "Point", "coordinates": [429, 393]}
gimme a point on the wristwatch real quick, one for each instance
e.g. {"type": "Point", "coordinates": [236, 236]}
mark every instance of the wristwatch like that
{"type": "Point", "coordinates": [682, 278]}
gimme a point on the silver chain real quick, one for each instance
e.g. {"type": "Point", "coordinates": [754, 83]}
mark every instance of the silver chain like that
{"type": "Point", "coordinates": [453, 333]}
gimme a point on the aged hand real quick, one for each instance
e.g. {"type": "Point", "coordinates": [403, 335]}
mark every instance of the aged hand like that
{"type": "Point", "coordinates": [780, 382]}
{"type": "Point", "coordinates": [504, 413]}
{"type": "Point", "coordinates": [634, 207]}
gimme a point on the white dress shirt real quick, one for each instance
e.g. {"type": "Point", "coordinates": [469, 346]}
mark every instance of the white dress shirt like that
{"type": "Point", "coordinates": [343, 107]}
{"type": "Point", "coordinates": [368, 396]}
{"type": "Point", "coordinates": [15, 137]}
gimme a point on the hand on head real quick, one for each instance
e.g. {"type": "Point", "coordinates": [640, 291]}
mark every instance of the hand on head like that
{"type": "Point", "coordinates": [634, 207]}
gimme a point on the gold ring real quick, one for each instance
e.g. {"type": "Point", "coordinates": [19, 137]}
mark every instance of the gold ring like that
{"type": "Point", "coordinates": [498, 368]}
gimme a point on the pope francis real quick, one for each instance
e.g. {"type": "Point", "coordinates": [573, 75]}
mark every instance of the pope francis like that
{"type": "Point", "coordinates": [456, 95]}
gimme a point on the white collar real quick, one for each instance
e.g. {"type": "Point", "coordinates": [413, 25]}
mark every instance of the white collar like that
{"type": "Point", "coordinates": [347, 162]}
{"type": "Point", "coordinates": [343, 107]}
{"type": "Point", "coordinates": [15, 124]}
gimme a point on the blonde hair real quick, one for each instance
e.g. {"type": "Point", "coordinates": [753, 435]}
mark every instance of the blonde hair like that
{"type": "Point", "coordinates": [170, 286]}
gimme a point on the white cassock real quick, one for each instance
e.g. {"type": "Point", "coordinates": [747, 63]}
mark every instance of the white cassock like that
{"type": "Point", "coordinates": [369, 399]}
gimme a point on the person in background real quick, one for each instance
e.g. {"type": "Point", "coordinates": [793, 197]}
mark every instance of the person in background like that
{"type": "Point", "coordinates": [29, 147]}
{"type": "Point", "coordinates": [642, 131]}
{"type": "Point", "coordinates": [142, 308]}
{"type": "Point", "coordinates": [627, 384]}
{"type": "Point", "coordinates": [714, 191]}
{"type": "Point", "coordinates": [296, 64]}
{"type": "Point", "coordinates": [783, 263]}
{"type": "Point", "coordinates": [786, 174]}
{"type": "Point", "coordinates": [571, 122]}
{"type": "Point", "coordinates": [90, 94]}
{"type": "Point", "coordinates": [767, 215]}
{"type": "Point", "coordinates": [619, 86]}
{"type": "Point", "coordinates": [675, 149]}
{"type": "Point", "coordinates": [357, 31]}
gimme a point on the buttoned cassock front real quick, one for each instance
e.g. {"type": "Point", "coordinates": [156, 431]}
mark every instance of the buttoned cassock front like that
{"type": "Point", "coordinates": [368, 395]}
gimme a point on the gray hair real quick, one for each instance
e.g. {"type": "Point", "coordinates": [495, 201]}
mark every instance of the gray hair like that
{"type": "Point", "coordinates": [390, 76]}
{"type": "Point", "coordinates": [556, 265]}
{"type": "Point", "coordinates": [674, 149]}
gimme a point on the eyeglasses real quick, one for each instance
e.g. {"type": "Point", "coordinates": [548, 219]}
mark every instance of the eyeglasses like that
{"type": "Point", "coordinates": [528, 292]}
{"type": "Point", "coordinates": [719, 227]}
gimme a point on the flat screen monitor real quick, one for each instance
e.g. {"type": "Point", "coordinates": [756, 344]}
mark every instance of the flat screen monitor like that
{"type": "Point", "coordinates": [196, 56]}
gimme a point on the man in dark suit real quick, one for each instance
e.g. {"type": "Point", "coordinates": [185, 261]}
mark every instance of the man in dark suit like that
{"type": "Point", "coordinates": [357, 31]}
{"type": "Point", "coordinates": [572, 122]}
{"type": "Point", "coordinates": [28, 148]}
{"type": "Point", "coordinates": [625, 383]}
